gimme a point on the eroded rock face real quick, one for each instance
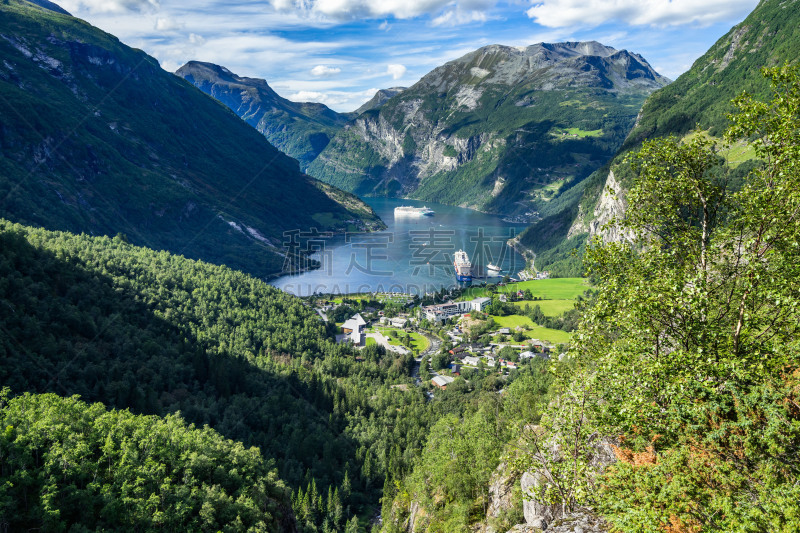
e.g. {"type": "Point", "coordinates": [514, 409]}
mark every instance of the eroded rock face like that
{"type": "Point", "coordinates": [610, 207]}
{"type": "Point", "coordinates": [541, 516]}
{"type": "Point", "coordinates": [581, 521]}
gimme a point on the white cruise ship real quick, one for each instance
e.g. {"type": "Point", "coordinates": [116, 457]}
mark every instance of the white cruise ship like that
{"type": "Point", "coordinates": [409, 211]}
{"type": "Point", "coordinates": [463, 266]}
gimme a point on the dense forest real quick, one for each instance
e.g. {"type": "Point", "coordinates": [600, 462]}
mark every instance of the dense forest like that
{"type": "Point", "coordinates": [158, 334]}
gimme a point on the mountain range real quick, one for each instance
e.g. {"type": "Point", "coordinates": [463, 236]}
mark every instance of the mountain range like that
{"type": "Point", "coordinates": [502, 129]}
{"type": "Point", "coordinates": [95, 137]}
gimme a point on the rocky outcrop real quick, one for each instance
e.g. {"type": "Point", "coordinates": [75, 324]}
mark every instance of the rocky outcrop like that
{"type": "Point", "coordinates": [550, 517]}
{"type": "Point", "coordinates": [581, 521]}
{"type": "Point", "coordinates": [609, 210]}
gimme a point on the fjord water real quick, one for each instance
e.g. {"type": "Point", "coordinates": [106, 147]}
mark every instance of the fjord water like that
{"type": "Point", "coordinates": [413, 255]}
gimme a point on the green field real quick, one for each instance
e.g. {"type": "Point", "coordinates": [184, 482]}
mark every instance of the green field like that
{"type": "Point", "coordinates": [513, 321]}
{"type": "Point", "coordinates": [382, 297]}
{"type": "Point", "coordinates": [554, 336]}
{"type": "Point", "coordinates": [547, 289]}
{"type": "Point", "coordinates": [418, 342]}
{"type": "Point", "coordinates": [548, 307]}
{"type": "Point", "coordinates": [579, 132]}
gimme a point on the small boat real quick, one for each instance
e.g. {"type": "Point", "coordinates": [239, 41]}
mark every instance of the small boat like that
{"type": "Point", "coordinates": [493, 269]}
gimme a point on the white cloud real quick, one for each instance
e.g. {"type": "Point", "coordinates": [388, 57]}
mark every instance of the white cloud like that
{"type": "Point", "coordinates": [197, 40]}
{"type": "Point", "coordinates": [341, 100]}
{"type": "Point", "coordinates": [401, 9]}
{"type": "Point", "coordinates": [385, 26]}
{"type": "Point", "coordinates": [167, 24]}
{"type": "Point", "coordinates": [457, 16]}
{"type": "Point", "coordinates": [396, 71]}
{"type": "Point", "coordinates": [560, 13]}
{"type": "Point", "coordinates": [110, 6]}
{"type": "Point", "coordinates": [323, 71]}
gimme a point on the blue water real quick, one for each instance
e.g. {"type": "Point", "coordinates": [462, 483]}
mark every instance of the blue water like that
{"type": "Point", "coordinates": [414, 255]}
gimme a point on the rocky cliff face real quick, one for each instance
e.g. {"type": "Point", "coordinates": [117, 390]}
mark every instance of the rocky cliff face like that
{"type": "Point", "coordinates": [501, 129]}
{"type": "Point", "coordinates": [608, 212]}
{"type": "Point", "coordinates": [299, 129]}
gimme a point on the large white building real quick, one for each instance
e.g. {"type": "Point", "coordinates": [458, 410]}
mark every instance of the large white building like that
{"type": "Point", "coordinates": [439, 312]}
{"type": "Point", "coordinates": [355, 330]}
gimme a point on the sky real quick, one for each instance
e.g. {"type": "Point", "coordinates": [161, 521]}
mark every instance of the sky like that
{"type": "Point", "coordinates": [339, 52]}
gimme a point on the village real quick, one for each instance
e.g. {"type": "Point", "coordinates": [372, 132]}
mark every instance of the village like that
{"type": "Point", "coordinates": [489, 328]}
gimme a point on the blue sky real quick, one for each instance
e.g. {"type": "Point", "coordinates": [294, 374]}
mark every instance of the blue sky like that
{"type": "Point", "coordinates": [340, 52]}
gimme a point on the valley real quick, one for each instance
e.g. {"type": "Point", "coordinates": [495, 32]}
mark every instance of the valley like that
{"type": "Point", "coordinates": [534, 287]}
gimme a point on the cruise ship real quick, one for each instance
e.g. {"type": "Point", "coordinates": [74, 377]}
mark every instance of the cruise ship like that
{"type": "Point", "coordinates": [463, 266]}
{"type": "Point", "coordinates": [409, 211]}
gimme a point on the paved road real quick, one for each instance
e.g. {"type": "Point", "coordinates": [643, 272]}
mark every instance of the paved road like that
{"type": "Point", "coordinates": [381, 339]}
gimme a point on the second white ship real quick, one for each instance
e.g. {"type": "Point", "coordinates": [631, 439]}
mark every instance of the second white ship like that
{"type": "Point", "coordinates": [409, 211]}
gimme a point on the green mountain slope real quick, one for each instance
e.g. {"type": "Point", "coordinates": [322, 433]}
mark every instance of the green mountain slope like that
{"type": "Point", "coordinates": [502, 129]}
{"type": "Point", "coordinates": [95, 137]}
{"type": "Point", "coordinates": [158, 334]}
{"type": "Point", "coordinates": [299, 129]}
{"type": "Point", "coordinates": [700, 98]}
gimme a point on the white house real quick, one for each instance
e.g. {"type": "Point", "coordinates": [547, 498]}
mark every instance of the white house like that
{"type": "Point", "coordinates": [479, 304]}
{"type": "Point", "coordinates": [439, 312]}
{"type": "Point", "coordinates": [398, 322]}
{"type": "Point", "coordinates": [471, 360]}
{"type": "Point", "coordinates": [355, 330]}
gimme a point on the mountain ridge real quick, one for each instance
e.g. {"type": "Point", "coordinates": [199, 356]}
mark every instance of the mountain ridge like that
{"type": "Point", "coordinates": [299, 129]}
{"type": "Point", "coordinates": [502, 129]}
{"type": "Point", "coordinates": [97, 138]}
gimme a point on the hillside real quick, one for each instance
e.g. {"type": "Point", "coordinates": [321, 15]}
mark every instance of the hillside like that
{"type": "Point", "coordinates": [95, 137]}
{"type": "Point", "coordinates": [119, 471]}
{"type": "Point", "coordinates": [698, 99]}
{"type": "Point", "coordinates": [299, 129]}
{"type": "Point", "coordinates": [159, 334]}
{"type": "Point", "coordinates": [502, 129]}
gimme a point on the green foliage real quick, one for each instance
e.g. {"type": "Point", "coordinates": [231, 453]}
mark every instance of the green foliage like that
{"type": "Point", "coordinates": [688, 352]}
{"type": "Point", "coordinates": [474, 429]}
{"type": "Point", "coordinates": [65, 464]}
{"type": "Point", "coordinates": [157, 333]}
